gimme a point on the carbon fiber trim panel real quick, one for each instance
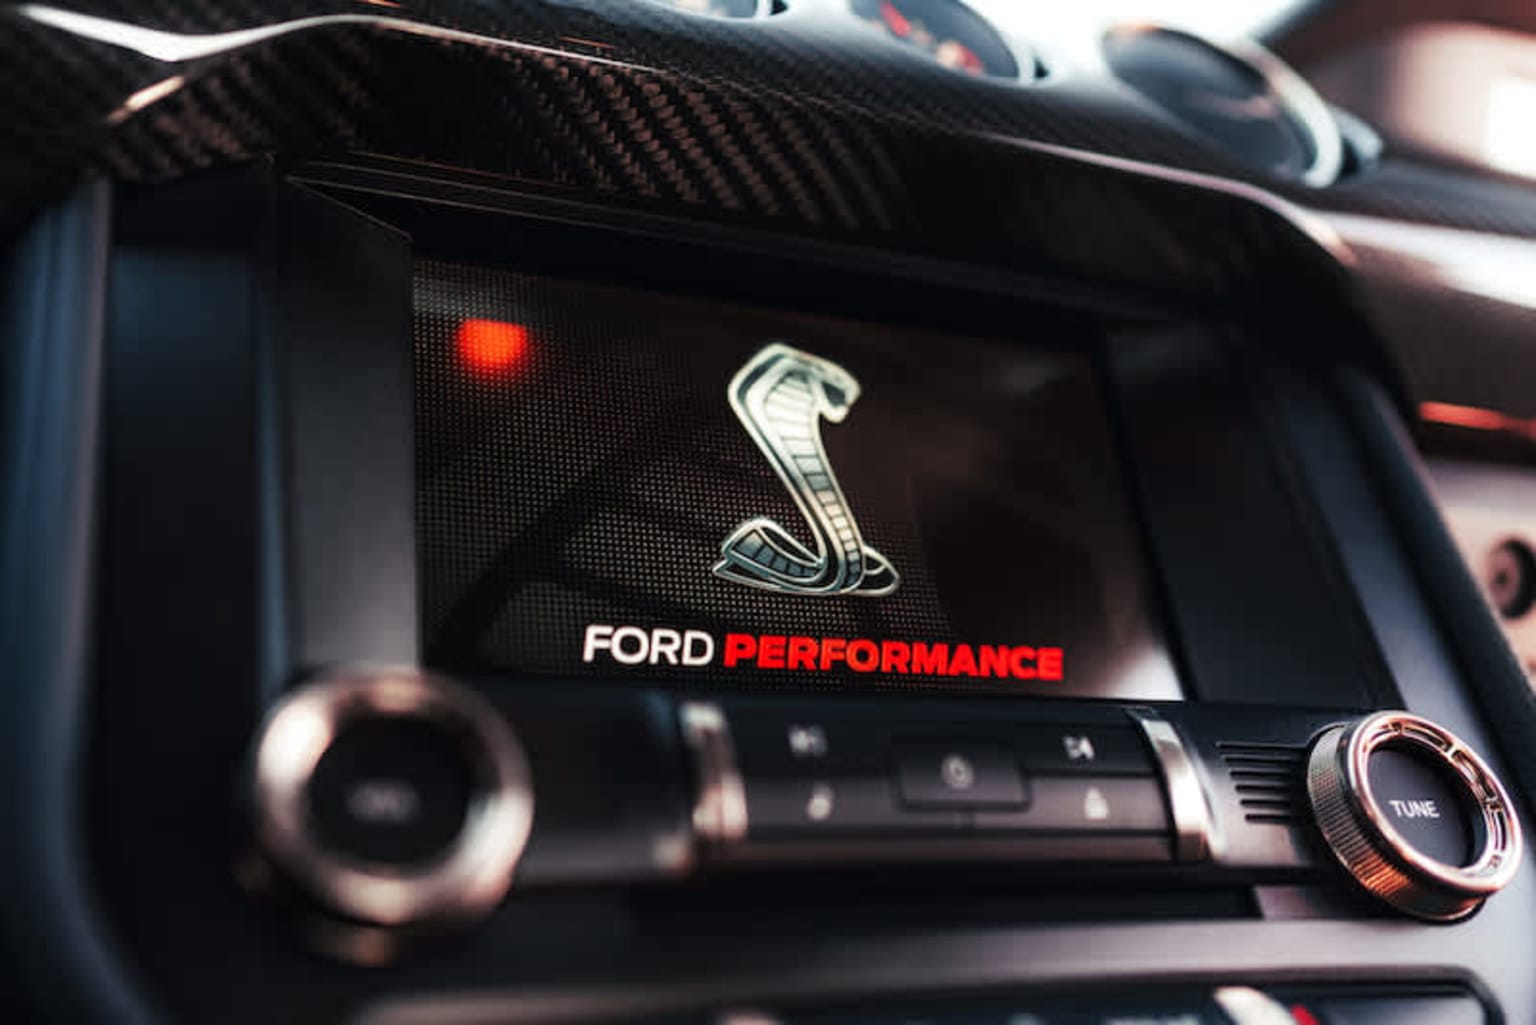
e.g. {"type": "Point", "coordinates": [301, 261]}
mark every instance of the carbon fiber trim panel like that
{"type": "Point", "coordinates": [806, 119]}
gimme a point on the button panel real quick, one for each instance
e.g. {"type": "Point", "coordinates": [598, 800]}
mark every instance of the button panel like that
{"type": "Point", "coordinates": [853, 776]}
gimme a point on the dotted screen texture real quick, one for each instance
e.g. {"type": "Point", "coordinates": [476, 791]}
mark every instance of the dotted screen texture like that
{"type": "Point", "coordinates": [589, 471]}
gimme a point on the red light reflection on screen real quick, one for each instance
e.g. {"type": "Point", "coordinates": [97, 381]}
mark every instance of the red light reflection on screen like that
{"type": "Point", "coordinates": [1302, 1016]}
{"type": "Point", "coordinates": [1476, 418]}
{"type": "Point", "coordinates": [491, 348]}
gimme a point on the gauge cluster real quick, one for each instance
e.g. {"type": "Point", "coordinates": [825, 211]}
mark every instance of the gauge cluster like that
{"type": "Point", "coordinates": [949, 32]}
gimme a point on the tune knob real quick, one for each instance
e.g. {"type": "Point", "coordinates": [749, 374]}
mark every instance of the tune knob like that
{"type": "Point", "coordinates": [391, 798]}
{"type": "Point", "coordinates": [1413, 814]}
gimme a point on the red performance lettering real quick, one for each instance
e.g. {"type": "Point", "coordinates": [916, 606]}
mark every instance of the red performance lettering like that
{"type": "Point", "coordinates": [898, 658]}
{"type": "Point", "coordinates": [1022, 662]}
{"type": "Point", "coordinates": [930, 659]}
{"type": "Point", "coordinates": [863, 656]}
{"type": "Point", "coordinates": [994, 660]}
{"type": "Point", "coordinates": [802, 653]}
{"type": "Point", "coordinates": [1051, 663]}
{"type": "Point", "coordinates": [832, 651]}
{"type": "Point", "coordinates": [770, 651]}
{"type": "Point", "coordinates": [739, 648]}
{"type": "Point", "coordinates": [894, 656]}
{"type": "Point", "coordinates": [961, 661]}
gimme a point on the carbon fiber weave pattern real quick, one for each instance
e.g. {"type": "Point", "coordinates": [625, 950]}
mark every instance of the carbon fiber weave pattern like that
{"type": "Point", "coordinates": [806, 120]}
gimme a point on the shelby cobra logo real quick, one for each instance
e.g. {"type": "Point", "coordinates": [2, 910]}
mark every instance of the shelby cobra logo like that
{"type": "Point", "coordinates": [780, 396]}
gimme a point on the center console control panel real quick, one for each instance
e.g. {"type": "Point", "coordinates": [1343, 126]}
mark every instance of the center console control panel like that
{"type": "Point", "coordinates": [403, 801]}
{"type": "Point", "coordinates": [1085, 783]}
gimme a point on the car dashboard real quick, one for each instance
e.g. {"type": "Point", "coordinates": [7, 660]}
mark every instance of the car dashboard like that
{"type": "Point", "coordinates": [796, 512]}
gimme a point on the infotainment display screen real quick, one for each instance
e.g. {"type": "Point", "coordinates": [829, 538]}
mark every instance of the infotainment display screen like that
{"type": "Point", "coordinates": [637, 486]}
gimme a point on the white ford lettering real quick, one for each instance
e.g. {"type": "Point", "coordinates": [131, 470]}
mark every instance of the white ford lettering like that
{"type": "Point", "coordinates": [664, 645]}
{"type": "Point", "coordinates": [598, 636]}
{"type": "Point", "coordinates": [698, 648]}
{"type": "Point", "coordinates": [639, 643]}
{"type": "Point", "coordinates": [634, 645]}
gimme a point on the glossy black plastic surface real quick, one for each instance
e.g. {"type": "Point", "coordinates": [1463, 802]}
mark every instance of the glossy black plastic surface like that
{"type": "Point", "coordinates": [806, 118]}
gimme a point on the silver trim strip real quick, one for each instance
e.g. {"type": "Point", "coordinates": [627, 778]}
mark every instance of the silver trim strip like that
{"type": "Point", "coordinates": [1247, 1006]}
{"type": "Point", "coordinates": [468, 879]}
{"type": "Point", "coordinates": [178, 47]}
{"type": "Point", "coordinates": [1195, 836]}
{"type": "Point", "coordinates": [720, 807]}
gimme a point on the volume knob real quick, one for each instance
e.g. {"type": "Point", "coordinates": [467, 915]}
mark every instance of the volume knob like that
{"type": "Point", "coordinates": [391, 798]}
{"type": "Point", "coordinates": [1413, 814]}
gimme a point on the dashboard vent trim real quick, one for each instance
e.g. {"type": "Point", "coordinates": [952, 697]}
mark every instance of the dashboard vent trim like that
{"type": "Point", "coordinates": [1270, 780]}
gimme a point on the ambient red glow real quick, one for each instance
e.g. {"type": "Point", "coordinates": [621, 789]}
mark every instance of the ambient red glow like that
{"type": "Point", "coordinates": [491, 347]}
{"type": "Point", "coordinates": [1478, 419]}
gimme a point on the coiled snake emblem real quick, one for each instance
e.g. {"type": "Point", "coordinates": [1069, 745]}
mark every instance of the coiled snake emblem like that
{"type": "Point", "coordinates": [780, 395]}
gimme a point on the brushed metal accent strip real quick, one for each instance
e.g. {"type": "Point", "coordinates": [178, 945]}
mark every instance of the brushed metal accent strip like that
{"type": "Point", "coordinates": [720, 808]}
{"type": "Point", "coordinates": [1195, 837]}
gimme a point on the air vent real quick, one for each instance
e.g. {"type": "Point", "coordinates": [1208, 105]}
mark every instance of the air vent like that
{"type": "Point", "coordinates": [1270, 780]}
